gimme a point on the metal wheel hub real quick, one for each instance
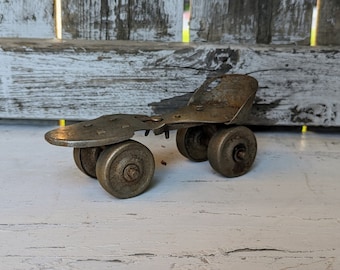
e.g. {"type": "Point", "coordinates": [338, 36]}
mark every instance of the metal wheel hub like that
{"type": "Point", "coordinates": [131, 172]}
{"type": "Point", "coordinates": [239, 153]}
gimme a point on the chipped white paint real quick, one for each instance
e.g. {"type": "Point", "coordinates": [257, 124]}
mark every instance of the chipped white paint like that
{"type": "Point", "coordinates": [173, 10]}
{"type": "Point", "coordinates": [238, 21]}
{"type": "Point", "coordinates": [27, 19]}
{"type": "Point", "coordinates": [83, 20]}
{"type": "Point", "coordinates": [70, 85]}
{"type": "Point", "coordinates": [222, 20]}
{"type": "Point", "coordinates": [83, 80]}
{"type": "Point", "coordinates": [283, 214]}
{"type": "Point", "coordinates": [5, 82]}
{"type": "Point", "coordinates": [308, 79]}
{"type": "Point", "coordinates": [292, 21]}
{"type": "Point", "coordinates": [110, 20]}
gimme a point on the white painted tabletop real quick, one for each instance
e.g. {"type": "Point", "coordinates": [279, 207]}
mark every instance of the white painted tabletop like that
{"type": "Point", "coordinates": [283, 214]}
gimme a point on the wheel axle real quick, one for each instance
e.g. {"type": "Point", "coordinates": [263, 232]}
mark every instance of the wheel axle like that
{"type": "Point", "coordinates": [131, 173]}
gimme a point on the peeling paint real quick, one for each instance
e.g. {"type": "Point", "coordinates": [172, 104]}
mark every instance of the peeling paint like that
{"type": "Point", "coordinates": [89, 80]}
{"type": "Point", "coordinates": [123, 20]}
{"type": "Point", "coordinates": [249, 22]}
{"type": "Point", "coordinates": [27, 19]}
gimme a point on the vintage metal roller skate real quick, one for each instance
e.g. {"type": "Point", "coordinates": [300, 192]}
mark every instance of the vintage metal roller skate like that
{"type": "Point", "coordinates": [208, 128]}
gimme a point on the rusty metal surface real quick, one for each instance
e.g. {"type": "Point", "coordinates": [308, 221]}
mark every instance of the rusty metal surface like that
{"type": "Point", "coordinates": [232, 151]}
{"type": "Point", "coordinates": [225, 99]}
{"type": "Point", "coordinates": [125, 169]}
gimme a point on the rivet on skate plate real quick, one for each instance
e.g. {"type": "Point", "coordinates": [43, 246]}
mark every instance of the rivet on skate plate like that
{"type": "Point", "coordinates": [156, 119]}
{"type": "Point", "coordinates": [199, 108]}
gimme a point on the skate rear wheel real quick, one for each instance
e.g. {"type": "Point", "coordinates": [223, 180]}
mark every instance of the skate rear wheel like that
{"type": "Point", "coordinates": [193, 142]}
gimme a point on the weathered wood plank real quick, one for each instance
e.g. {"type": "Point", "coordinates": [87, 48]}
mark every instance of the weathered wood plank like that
{"type": "Point", "coordinates": [82, 80]}
{"type": "Point", "coordinates": [27, 19]}
{"type": "Point", "coordinates": [298, 85]}
{"type": "Point", "coordinates": [223, 20]}
{"type": "Point", "coordinates": [272, 21]}
{"type": "Point", "coordinates": [264, 21]}
{"type": "Point", "coordinates": [329, 23]}
{"type": "Point", "coordinates": [123, 19]}
{"type": "Point", "coordinates": [292, 21]}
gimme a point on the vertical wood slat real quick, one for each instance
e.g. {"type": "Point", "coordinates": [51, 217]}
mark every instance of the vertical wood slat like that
{"type": "Point", "coordinates": [252, 21]}
{"type": "Point", "coordinates": [329, 23]}
{"type": "Point", "coordinates": [159, 20]}
{"type": "Point", "coordinates": [27, 19]}
{"type": "Point", "coordinates": [223, 20]}
{"type": "Point", "coordinates": [264, 21]}
{"type": "Point", "coordinates": [292, 21]}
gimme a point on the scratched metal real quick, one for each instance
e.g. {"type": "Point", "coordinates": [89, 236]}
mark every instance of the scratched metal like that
{"type": "Point", "coordinates": [225, 99]}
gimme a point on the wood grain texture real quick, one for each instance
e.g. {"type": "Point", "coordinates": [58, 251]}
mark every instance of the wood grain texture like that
{"type": "Point", "coordinates": [264, 22]}
{"type": "Point", "coordinates": [329, 23]}
{"type": "Point", "coordinates": [292, 21]}
{"type": "Point", "coordinates": [82, 80]}
{"type": "Point", "coordinates": [223, 20]}
{"type": "Point", "coordinates": [27, 19]}
{"type": "Point", "coordinates": [123, 19]}
{"type": "Point", "coordinates": [272, 21]}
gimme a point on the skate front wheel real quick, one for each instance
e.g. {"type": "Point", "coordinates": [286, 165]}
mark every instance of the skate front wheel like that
{"type": "Point", "coordinates": [125, 169]}
{"type": "Point", "coordinates": [232, 151]}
